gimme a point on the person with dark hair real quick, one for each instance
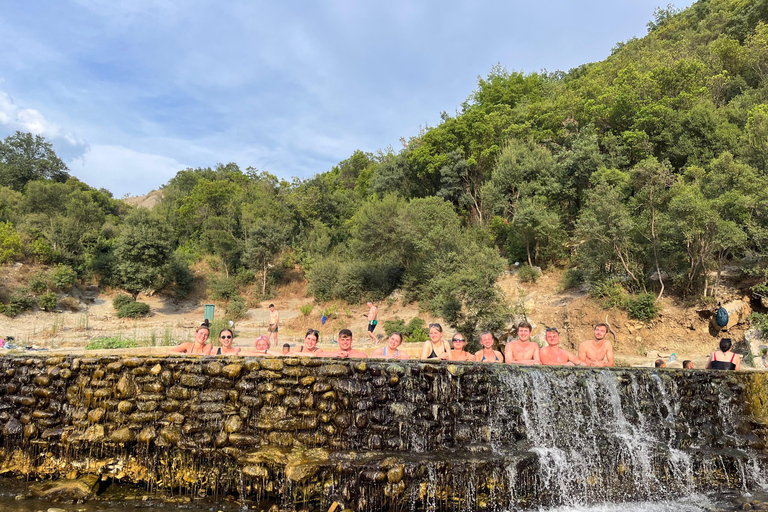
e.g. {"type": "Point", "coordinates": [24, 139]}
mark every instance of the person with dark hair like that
{"type": "Point", "coordinates": [553, 355]}
{"type": "Point", "coordinates": [435, 347]}
{"type": "Point", "coordinates": [687, 364]}
{"type": "Point", "coordinates": [598, 351]}
{"type": "Point", "coordinates": [226, 349]}
{"type": "Point", "coordinates": [274, 318]}
{"type": "Point", "coordinates": [392, 350]}
{"type": "Point", "coordinates": [724, 359]}
{"type": "Point", "coordinates": [457, 352]}
{"type": "Point", "coordinates": [199, 346]}
{"type": "Point", "coordinates": [487, 354]}
{"type": "Point", "coordinates": [659, 363]}
{"type": "Point", "coordinates": [286, 348]}
{"type": "Point", "coordinates": [522, 350]}
{"type": "Point", "coordinates": [309, 348]}
{"type": "Point", "coordinates": [345, 347]}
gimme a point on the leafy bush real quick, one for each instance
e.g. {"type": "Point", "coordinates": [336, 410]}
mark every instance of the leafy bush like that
{"type": "Point", "coordinates": [244, 277]}
{"type": "Point", "coordinates": [121, 300]}
{"type": "Point", "coordinates": [10, 243]}
{"type": "Point", "coordinates": [391, 326]}
{"type": "Point", "coordinates": [133, 310]}
{"type": "Point", "coordinates": [62, 277]}
{"type": "Point", "coordinates": [18, 303]}
{"type": "Point", "coordinates": [760, 322]}
{"type": "Point", "coordinates": [306, 309]}
{"type": "Point", "coordinates": [37, 283]}
{"type": "Point", "coordinates": [47, 301]}
{"type": "Point", "coordinates": [643, 307]}
{"type": "Point", "coordinates": [572, 278]}
{"type": "Point", "coordinates": [236, 308]}
{"type": "Point", "coordinates": [331, 311]}
{"type": "Point", "coordinates": [70, 303]}
{"type": "Point", "coordinates": [222, 289]}
{"type": "Point", "coordinates": [528, 274]}
{"type": "Point", "coordinates": [415, 331]}
{"type": "Point", "coordinates": [181, 275]}
{"type": "Point", "coordinates": [110, 342]}
{"type": "Point", "coordinates": [614, 294]}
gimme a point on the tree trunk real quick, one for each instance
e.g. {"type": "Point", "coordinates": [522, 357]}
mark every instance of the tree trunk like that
{"type": "Point", "coordinates": [264, 280]}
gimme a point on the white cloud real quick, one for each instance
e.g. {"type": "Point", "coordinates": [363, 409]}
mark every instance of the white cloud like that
{"type": "Point", "coordinates": [30, 120]}
{"type": "Point", "coordinates": [122, 170]}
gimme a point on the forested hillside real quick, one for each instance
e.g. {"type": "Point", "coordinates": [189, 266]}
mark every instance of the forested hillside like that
{"type": "Point", "coordinates": [643, 174]}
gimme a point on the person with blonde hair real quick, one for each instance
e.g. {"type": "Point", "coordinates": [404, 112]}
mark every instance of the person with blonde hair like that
{"type": "Point", "coordinates": [199, 346]}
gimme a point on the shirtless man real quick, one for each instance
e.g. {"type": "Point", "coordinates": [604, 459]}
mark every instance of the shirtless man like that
{"type": "Point", "coordinates": [373, 312]}
{"type": "Point", "coordinates": [597, 351]}
{"type": "Point", "coordinates": [522, 350]}
{"type": "Point", "coordinates": [274, 318]}
{"type": "Point", "coordinates": [345, 347]}
{"type": "Point", "coordinates": [553, 355]}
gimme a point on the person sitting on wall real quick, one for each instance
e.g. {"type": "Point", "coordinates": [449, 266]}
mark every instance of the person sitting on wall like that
{"type": "Point", "coordinates": [457, 352]}
{"type": "Point", "coordinates": [687, 364]}
{"type": "Point", "coordinates": [522, 350]}
{"type": "Point", "coordinates": [487, 354]}
{"type": "Point", "coordinates": [199, 346]}
{"type": "Point", "coordinates": [226, 349]}
{"type": "Point", "coordinates": [435, 347]}
{"type": "Point", "coordinates": [724, 359]}
{"type": "Point", "coordinates": [286, 348]}
{"type": "Point", "coordinates": [598, 351]}
{"type": "Point", "coordinates": [391, 350]}
{"type": "Point", "coordinates": [345, 347]}
{"type": "Point", "coordinates": [553, 355]}
{"type": "Point", "coordinates": [309, 348]}
{"type": "Point", "coordinates": [659, 363]}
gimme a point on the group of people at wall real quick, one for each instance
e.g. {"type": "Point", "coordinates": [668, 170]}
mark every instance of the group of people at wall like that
{"type": "Point", "coordinates": [597, 351]}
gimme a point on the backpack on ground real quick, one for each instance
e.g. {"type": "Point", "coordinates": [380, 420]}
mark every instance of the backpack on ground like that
{"type": "Point", "coordinates": [721, 317]}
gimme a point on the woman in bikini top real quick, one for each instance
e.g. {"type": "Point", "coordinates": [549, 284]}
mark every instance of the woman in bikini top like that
{"type": "Point", "coordinates": [392, 350]}
{"type": "Point", "coordinates": [724, 359]}
{"type": "Point", "coordinates": [199, 346]}
{"type": "Point", "coordinates": [487, 354]}
{"type": "Point", "coordinates": [226, 349]}
{"type": "Point", "coordinates": [309, 348]}
{"type": "Point", "coordinates": [435, 347]}
{"type": "Point", "coordinates": [458, 353]}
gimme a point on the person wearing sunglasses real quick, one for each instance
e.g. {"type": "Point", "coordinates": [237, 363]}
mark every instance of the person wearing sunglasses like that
{"type": "Point", "coordinates": [392, 350]}
{"type": "Point", "coordinates": [435, 347]}
{"type": "Point", "coordinates": [487, 354]}
{"type": "Point", "coordinates": [522, 350]}
{"type": "Point", "coordinates": [199, 346]}
{"type": "Point", "coordinates": [458, 353]}
{"type": "Point", "coordinates": [226, 349]}
{"type": "Point", "coordinates": [309, 348]}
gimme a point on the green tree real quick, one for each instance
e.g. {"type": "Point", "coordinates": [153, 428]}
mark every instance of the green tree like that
{"type": "Point", "coordinates": [25, 157]}
{"type": "Point", "coordinates": [142, 253]}
{"type": "Point", "coordinates": [10, 243]}
{"type": "Point", "coordinates": [265, 240]}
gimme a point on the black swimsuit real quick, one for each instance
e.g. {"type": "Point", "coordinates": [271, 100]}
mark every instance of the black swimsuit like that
{"type": "Point", "coordinates": [722, 365]}
{"type": "Point", "coordinates": [434, 355]}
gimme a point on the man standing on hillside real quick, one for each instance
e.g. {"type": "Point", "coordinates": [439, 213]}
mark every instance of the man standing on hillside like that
{"type": "Point", "coordinates": [522, 350]}
{"type": "Point", "coordinates": [274, 318]}
{"type": "Point", "coordinates": [373, 312]}
{"type": "Point", "coordinates": [597, 351]}
{"type": "Point", "coordinates": [553, 355]}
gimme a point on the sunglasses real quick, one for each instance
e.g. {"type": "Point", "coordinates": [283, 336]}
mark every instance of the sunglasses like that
{"type": "Point", "coordinates": [552, 329]}
{"type": "Point", "coordinates": [313, 331]}
{"type": "Point", "coordinates": [227, 337]}
{"type": "Point", "coordinates": [459, 340]}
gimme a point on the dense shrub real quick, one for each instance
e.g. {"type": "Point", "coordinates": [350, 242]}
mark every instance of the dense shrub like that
{"type": "Point", "coordinates": [244, 277]}
{"type": "Point", "coordinates": [62, 277]}
{"type": "Point", "coordinates": [528, 274]}
{"type": "Point", "coordinates": [612, 293]}
{"type": "Point", "coordinates": [236, 308]}
{"type": "Point", "coordinates": [306, 309]}
{"type": "Point", "coordinates": [415, 331]}
{"type": "Point", "coordinates": [121, 300]}
{"type": "Point", "coordinates": [181, 275]}
{"type": "Point", "coordinates": [133, 310]}
{"type": "Point", "coordinates": [643, 307]}
{"type": "Point", "coordinates": [18, 303]}
{"type": "Point", "coordinates": [38, 283]}
{"type": "Point", "coordinates": [222, 289]}
{"type": "Point", "coordinates": [572, 278]}
{"type": "Point", "coordinates": [47, 301]}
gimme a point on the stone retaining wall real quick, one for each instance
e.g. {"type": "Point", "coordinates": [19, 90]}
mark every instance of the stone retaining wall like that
{"type": "Point", "coordinates": [370, 433]}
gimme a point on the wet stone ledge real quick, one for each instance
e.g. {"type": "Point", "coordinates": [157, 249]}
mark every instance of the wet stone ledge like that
{"type": "Point", "coordinates": [377, 434]}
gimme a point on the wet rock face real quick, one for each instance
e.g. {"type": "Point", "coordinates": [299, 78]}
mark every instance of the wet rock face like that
{"type": "Point", "coordinates": [374, 434]}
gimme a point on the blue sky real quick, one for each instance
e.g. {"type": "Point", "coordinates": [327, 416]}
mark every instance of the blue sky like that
{"type": "Point", "coordinates": [130, 92]}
